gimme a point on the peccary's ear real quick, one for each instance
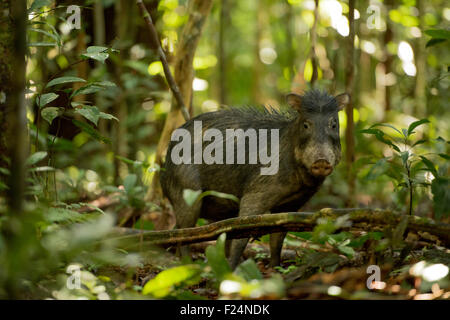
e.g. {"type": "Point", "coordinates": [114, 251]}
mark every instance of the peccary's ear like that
{"type": "Point", "coordinates": [294, 100]}
{"type": "Point", "coordinates": [342, 100]}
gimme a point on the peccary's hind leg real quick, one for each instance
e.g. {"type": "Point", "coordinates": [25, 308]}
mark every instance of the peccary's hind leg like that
{"type": "Point", "coordinates": [276, 243]}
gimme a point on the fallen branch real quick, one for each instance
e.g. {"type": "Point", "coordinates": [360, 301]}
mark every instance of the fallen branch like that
{"type": "Point", "coordinates": [258, 225]}
{"type": "Point", "coordinates": [155, 41]}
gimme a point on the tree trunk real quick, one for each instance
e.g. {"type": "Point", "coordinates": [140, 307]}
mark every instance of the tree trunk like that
{"type": "Point", "coordinates": [387, 60]}
{"type": "Point", "coordinates": [99, 40]}
{"type": "Point", "coordinates": [349, 130]}
{"type": "Point", "coordinates": [313, 55]}
{"type": "Point", "coordinates": [184, 75]}
{"type": "Point", "coordinates": [122, 25]}
{"type": "Point", "coordinates": [13, 138]}
{"type": "Point", "coordinates": [256, 92]}
{"type": "Point", "coordinates": [420, 105]}
{"type": "Point", "coordinates": [223, 22]}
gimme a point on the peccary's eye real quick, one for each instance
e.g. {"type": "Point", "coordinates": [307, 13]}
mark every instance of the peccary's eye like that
{"type": "Point", "coordinates": [305, 125]}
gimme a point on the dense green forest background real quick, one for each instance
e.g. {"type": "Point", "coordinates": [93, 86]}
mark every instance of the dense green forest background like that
{"type": "Point", "coordinates": [99, 113]}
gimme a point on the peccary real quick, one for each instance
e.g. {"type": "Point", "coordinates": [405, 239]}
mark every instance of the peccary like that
{"type": "Point", "coordinates": [304, 145]}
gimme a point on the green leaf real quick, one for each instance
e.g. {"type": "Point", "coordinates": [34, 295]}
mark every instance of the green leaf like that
{"type": "Point", "coordinates": [438, 33]}
{"type": "Point", "coordinates": [62, 80]}
{"type": "Point", "coordinates": [419, 142]}
{"type": "Point", "coordinates": [93, 88]}
{"type": "Point", "coordinates": [36, 157]}
{"type": "Point", "coordinates": [89, 112]}
{"type": "Point", "coordinates": [50, 113]}
{"type": "Point", "coordinates": [377, 169]}
{"type": "Point", "coordinates": [107, 116]}
{"type": "Point", "coordinates": [249, 270]}
{"type": "Point", "coordinates": [129, 182]}
{"type": "Point", "coordinates": [216, 258]}
{"type": "Point", "coordinates": [190, 196]}
{"type": "Point", "coordinates": [444, 156]}
{"type": "Point", "coordinates": [165, 282]}
{"type": "Point", "coordinates": [37, 4]}
{"type": "Point", "coordinates": [45, 33]}
{"type": "Point", "coordinates": [385, 125]}
{"type": "Point", "coordinates": [90, 131]}
{"type": "Point", "coordinates": [440, 187]}
{"type": "Point", "coordinates": [46, 99]}
{"type": "Point", "coordinates": [348, 251]}
{"type": "Point", "coordinates": [404, 156]}
{"type": "Point", "coordinates": [379, 135]}
{"type": "Point", "coordinates": [96, 53]}
{"type": "Point", "coordinates": [430, 166]}
{"type": "Point", "coordinates": [415, 124]}
{"type": "Point", "coordinates": [434, 41]}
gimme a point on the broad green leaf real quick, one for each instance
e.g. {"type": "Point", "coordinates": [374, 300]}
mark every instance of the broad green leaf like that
{"type": "Point", "coordinates": [438, 33]}
{"type": "Point", "coordinates": [404, 156]}
{"type": "Point", "coordinates": [95, 49]}
{"type": "Point", "coordinates": [62, 80]}
{"type": "Point", "coordinates": [99, 56]}
{"type": "Point", "coordinates": [37, 4]}
{"type": "Point", "coordinates": [434, 41]}
{"type": "Point", "coordinates": [419, 142]}
{"type": "Point", "coordinates": [36, 157]}
{"type": "Point", "coordinates": [46, 99]}
{"type": "Point", "coordinates": [430, 166]}
{"type": "Point", "coordinates": [163, 284]}
{"type": "Point", "coordinates": [440, 187]}
{"type": "Point", "coordinates": [385, 125]}
{"type": "Point", "coordinates": [415, 124]}
{"type": "Point", "coordinates": [90, 131]}
{"type": "Point", "coordinates": [249, 270]}
{"type": "Point", "coordinates": [380, 136]}
{"type": "Point", "coordinates": [444, 156]}
{"type": "Point", "coordinates": [89, 112]}
{"type": "Point", "coordinates": [50, 113]}
{"type": "Point", "coordinates": [129, 182]}
{"type": "Point", "coordinates": [96, 53]}
{"type": "Point", "coordinates": [45, 33]}
{"type": "Point", "coordinates": [88, 89]}
{"type": "Point", "coordinates": [190, 196]}
{"type": "Point", "coordinates": [216, 258]}
{"type": "Point", "coordinates": [348, 251]}
{"type": "Point", "coordinates": [55, 32]}
{"type": "Point", "coordinates": [107, 116]}
{"type": "Point", "coordinates": [377, 169]}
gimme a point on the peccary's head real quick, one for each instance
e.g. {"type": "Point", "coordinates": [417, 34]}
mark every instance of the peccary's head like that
{"type": "Point", "coordinates": [317, 143]}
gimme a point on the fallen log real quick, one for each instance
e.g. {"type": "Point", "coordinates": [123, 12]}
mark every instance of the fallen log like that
{"type": "Point", "coordinates": [258, 225]}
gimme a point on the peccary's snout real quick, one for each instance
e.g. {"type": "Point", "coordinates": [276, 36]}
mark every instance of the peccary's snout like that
{"type": "Point", "coordinates": [321, 168]}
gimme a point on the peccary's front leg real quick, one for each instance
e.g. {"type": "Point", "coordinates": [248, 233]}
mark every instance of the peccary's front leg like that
{"type": "Point", "coordinates": [251, 204]}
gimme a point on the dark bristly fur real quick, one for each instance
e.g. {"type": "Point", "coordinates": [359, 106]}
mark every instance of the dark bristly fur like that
{"type": "Point", "coordinates": [308, 136]}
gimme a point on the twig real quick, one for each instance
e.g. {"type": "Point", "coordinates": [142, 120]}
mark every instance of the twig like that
{"type": "Point", "coordinates": [155, 41]}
